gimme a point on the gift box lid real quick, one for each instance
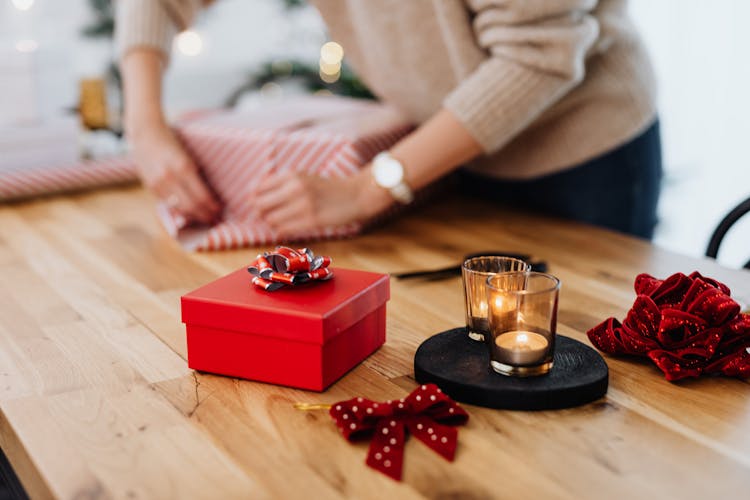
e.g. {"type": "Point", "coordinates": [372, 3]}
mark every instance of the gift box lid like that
{"type": "Point", "coordinates": [314, 312]}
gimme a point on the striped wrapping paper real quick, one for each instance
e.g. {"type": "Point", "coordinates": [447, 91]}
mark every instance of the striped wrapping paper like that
{"type": "Point", "coordinates": [326, 136]}
{"type": "Point", "coordinates": [323, 136]}
{"type": "Point", "coordinates": [28, 182]}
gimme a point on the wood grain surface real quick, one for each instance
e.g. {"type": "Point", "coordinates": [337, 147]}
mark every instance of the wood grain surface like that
{"type": "Point", "coordinates": [96, 400]}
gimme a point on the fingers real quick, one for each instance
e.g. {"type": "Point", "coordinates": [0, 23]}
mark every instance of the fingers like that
{"type": "Point", "coordinates": [295, 206]}
{"type": "Point", "coordinates": [202, 205]}
{"type": "Point", "coordinates": [285, 203]}
{"type": "Point", "coordinates": [182, 188]}
{"type": "Point", "coordinates": [276, 192]}
{"type": "Point", "coordinates": [271, 183]}
{"type": "Point", "coordinates": [285, 218]}
{"type": "Point", "coordinates": [295, 227]}
{"type": "Point", "coordinates": [168, 170]}
{"type": "Point", "coordinates": [178, 201]}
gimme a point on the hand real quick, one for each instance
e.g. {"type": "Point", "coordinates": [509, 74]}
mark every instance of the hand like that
{"type": "Point", "coordinates": [295, 204]}
{"type": "Point", "coordinates": [167, 170]}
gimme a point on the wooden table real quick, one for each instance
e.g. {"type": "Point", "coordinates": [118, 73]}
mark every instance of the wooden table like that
{"type": "Point", "coordinates": [97, 401]}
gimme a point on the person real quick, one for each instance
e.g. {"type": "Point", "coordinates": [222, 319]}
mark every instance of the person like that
{"type": "Point", "coordinates": [548, 104]}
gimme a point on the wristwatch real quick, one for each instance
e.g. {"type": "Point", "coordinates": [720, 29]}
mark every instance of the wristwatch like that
{"type": "Point", "coordinates": [388, 173]}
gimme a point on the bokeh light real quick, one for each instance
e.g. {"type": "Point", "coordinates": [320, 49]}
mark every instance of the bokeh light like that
{"type": "Point", "coordinates": [331, 53]}
{"type": "Point", "coordinates": [22, 4]}
{"type": "Point", "coordinates": [330, 69]}
{"type": "Point", "coordinates": [330, 78]}
{"type": "Point", "coordinates": [282, 67]}
{"type": "Point", "coordinates": [271, 90]}
{"type": "Point", "coordinates": [26, 45]}
{"type": "Point", "coordinates": [189, 43]}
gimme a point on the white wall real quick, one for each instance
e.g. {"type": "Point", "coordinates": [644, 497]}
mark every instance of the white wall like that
{"type": "Point", "coordinates": [701, 53]}
{"type": "Point", "coordinates": [238, 35]}
{"type": "Point", "coordinates": [61, 54]}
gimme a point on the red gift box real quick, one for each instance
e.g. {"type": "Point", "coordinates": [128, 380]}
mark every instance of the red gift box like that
{"type": "Point", "coordinates": [306, 336]}
{"type": "Point", "coordinates": [326, 136]}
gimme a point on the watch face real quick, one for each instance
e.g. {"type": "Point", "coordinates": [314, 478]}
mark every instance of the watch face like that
{"type": "Point", "coordinates": [388, 172]}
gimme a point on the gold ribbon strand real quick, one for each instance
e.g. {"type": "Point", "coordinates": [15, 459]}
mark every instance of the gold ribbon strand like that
{"type": "Point", "coordinates": [311, 406]}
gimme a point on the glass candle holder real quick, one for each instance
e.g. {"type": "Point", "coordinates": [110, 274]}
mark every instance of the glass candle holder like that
{"type": "Point", "coordinates": [475, 272]}
{"type": "Point", "coordinates": [522, 322]}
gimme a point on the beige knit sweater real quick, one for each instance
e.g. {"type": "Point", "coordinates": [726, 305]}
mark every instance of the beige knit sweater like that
{"type": "Point", "coordinates": [541, 84]}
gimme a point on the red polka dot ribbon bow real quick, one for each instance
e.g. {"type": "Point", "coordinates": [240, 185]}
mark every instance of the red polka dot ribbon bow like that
{"type": "Point", "coordinates": [286, 266]}
{"type": "Point", "coordinates": [687, 325]}
{"type": "Point", "coordinates": [427, 414]}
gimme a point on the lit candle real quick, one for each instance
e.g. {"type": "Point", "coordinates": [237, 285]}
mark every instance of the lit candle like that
{"type": "Point", "coordinates": [479, 325]}
{"type": "Point", "coordinates": [475, 272]}
{"type": "Point", "coordinates": [503, 312]}
{"type": "Point", "coordinates": [521, 347]}
{"type": "Point", "coordinates": [482, 306]}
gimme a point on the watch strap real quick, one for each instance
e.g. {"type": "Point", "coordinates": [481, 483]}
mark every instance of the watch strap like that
{"type": "Point", "coordinates": [402, 193]}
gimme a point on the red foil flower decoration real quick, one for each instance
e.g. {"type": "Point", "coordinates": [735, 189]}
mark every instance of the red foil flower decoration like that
{"type": "Point", "coordinates": [286, 266]}
{"type": "Point", "coordinates": [427, 414]}
{"type": "Point", "coordinates": [687, 325]}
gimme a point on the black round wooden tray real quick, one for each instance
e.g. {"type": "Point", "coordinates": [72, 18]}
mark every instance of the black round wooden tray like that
{"type": "Point", "coordinates": [461, 368]}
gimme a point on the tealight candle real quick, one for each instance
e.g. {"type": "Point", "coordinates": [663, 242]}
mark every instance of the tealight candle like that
{"type": "Point", "coordinates": [522, 347]}
{"type": "Point", "coordinates": [522, 319]}
{"type": "Point", "coordinates": [475, 272]}
{"type": "Point", "coordinates": [478, 324]}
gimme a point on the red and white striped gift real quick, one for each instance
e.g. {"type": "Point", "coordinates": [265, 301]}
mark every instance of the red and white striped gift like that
{"type": "Point", "coordinates": [326, 136]}
{"type": "Point", "coordinates": [24, 183]}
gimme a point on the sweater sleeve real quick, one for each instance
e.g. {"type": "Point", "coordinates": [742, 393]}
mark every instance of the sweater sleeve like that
{"type": "Point", "coordinates": [151, 23]}
{"type": "Point", "coordinates": [536, 51]}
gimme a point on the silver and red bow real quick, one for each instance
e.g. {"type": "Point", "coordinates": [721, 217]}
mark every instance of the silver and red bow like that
{"type": "Point", "coordinates": [286, 266]}
{"type": "Point", "coordinates": [427, 414]}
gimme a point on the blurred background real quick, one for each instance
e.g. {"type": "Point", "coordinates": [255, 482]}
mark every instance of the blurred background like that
{"type": "Point", "coordinates": [56, 54]}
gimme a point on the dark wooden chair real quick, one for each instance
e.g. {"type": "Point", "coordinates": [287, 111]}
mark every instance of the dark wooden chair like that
{"type": "Point", "coordinates": [10, 486]}
{"type": "Point", "coordinates": [721, 230]}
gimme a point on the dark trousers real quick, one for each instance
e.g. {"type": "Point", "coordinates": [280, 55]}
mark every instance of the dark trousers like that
{"type": "Point", "coordinates": [617, 190]}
